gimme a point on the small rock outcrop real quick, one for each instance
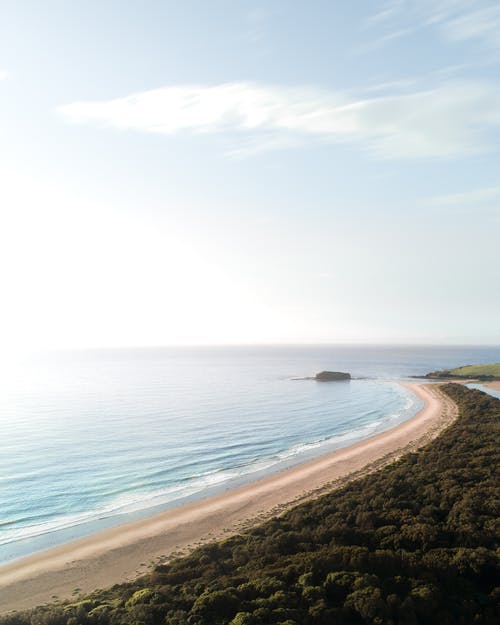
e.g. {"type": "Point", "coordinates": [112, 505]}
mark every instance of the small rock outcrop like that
{"type": "Point", "coordinates": [331, 376]}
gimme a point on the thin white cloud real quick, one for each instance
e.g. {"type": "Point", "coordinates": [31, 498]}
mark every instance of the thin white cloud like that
{"type": "Point", "coordinates": [439, 11]}
{"type": "Point", "coordinates": [257, 19]}
{"type": "Point", "coordinates": [391, 85]}
{"type": "Point", "coordinates": [482, 25]}
{"type": "Point", "coordinates": [227, 106]}
{"type": "Point", "coordinates": [386, 11]}
{"type": "Point", "coordinates": [447, 121]}
{"type": "Point", "coordinates": [475, 198]}
{"type": "Point", "coordinates": [383, 40]}
{"type": "Point", "coordinates": [426, 11]}
{"type": "Point", "coordinates": [3, 74]}
{"type": "Point", "coordinates": [455, 20]}
{"type": "Point", "coordinates": [484, 203]}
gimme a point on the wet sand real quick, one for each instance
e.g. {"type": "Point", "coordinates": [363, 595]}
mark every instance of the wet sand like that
{"type": "Point", "coordinates": [124, 552]}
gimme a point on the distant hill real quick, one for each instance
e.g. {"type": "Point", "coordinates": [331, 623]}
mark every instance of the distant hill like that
{"type": "Point", "coordinates": [481, 372]}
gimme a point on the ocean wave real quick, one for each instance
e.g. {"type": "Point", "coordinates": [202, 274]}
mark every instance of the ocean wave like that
{"type": "Point", "coordinates": [134, 501]}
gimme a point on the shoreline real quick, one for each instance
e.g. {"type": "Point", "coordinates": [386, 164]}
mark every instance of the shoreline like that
{"type": "Point", "coordinates": [297, 454]}
{"type": "Point", "coordinates": [124, 552]}
{"type": "Point", "coordinates": [495, 385]}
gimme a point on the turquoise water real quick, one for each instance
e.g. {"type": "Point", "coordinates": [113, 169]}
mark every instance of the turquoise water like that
{"type": "Point", "coordinates": [93, 438]}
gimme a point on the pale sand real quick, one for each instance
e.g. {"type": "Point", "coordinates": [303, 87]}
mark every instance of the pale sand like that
{"type": "Point", "coordinates": [121, 553]}
{"type": "Point", "coordinates": [494, 385]}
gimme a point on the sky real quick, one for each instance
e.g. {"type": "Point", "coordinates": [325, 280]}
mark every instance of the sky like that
{"type": "Point", "coordinates": [246, 172]}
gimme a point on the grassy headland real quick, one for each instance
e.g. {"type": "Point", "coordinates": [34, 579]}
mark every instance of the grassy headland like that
{"type": "Point", "coordinates": [413, 543]}
{"type": "Point", "coordinates": [478, 372]}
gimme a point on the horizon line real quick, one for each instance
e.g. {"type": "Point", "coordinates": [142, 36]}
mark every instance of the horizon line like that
{"type": "Point", "coordinates": [251, 345]}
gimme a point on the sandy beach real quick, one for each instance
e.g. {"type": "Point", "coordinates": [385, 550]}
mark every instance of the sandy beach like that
{"type": "Point", "coordinates": [494, 385]}
{"type": "Point", "coordinates": [122, 553]}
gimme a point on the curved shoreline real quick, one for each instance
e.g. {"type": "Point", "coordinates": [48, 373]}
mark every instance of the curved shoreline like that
{"type": "Point", "coordinates": [124, 552]}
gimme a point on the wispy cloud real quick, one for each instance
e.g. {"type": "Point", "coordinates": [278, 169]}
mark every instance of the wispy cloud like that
{"type": "Point", "coordinates": [482, 25]}
{"type": "Point", "coordinates": [477, 197]}
{"type": "Point", "coordinates": [257, 19]}
{"type": "Point", "coordinates": [446, 121]}
{"type": "Point", "coordinates": [3, 74]}
{"type": "Point", "coordinates": [391, 85]}
{"type": "Point", "coordinates": [427, 11]}
{"type": "Point", "coordinates": [484, 202]}
{"type": "Point", "coordinates": [383, 40]}
{"type": "Point", "coordinates": [386, 11]}
{"type": "Point", "coordinates": [454, 20]}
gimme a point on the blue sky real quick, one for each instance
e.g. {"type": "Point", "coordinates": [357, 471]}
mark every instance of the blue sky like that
{"type": "Point", "coordinates": [249, 172]}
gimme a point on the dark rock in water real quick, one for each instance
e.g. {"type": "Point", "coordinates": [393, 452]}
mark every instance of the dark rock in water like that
{"type": "Point", "coordinates": [329, 376]}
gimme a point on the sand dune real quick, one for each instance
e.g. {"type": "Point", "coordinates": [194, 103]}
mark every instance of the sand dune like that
{"type": "Point", "coordinates": [123, 552]}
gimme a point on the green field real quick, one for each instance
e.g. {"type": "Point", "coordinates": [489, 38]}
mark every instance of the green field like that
{"type": "Point", "coordinates": [491, 372]}
{"type": "Point", "coordinates": [473, 370]}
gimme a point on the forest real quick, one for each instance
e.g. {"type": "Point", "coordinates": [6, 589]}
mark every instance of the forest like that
{"type": "Point", "coordinates": [413, 543]}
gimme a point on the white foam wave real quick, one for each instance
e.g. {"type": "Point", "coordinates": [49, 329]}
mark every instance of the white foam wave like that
{"type": "Point", "coordinates": [137, 501]}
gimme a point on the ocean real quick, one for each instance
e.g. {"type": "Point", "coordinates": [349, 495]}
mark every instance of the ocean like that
{"type": "Point", "coordinates": [94, 438]}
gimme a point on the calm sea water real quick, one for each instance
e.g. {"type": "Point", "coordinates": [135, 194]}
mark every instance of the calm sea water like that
{"type": "Point", "coordinates": [93, 438]}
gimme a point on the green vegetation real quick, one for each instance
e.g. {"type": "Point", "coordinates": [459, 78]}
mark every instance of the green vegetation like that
{"type": "Point", "coordinates": [411, 544]}
{"type": "Point", "coordinates": [480, 372]}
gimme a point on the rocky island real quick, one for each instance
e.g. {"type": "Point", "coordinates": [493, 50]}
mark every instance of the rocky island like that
{"type": "Point", "coordinates": [331, 376]}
